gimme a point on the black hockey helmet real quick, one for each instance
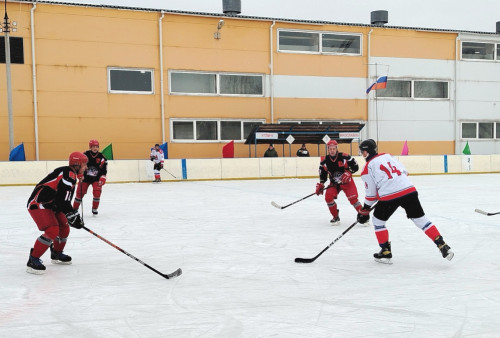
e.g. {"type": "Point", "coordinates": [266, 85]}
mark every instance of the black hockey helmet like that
{"type": "Point", "coordinates": [369, 146]}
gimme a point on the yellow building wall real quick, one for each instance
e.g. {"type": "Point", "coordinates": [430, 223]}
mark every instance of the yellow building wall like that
{"type": "Point", "coordinates": [75, 45]}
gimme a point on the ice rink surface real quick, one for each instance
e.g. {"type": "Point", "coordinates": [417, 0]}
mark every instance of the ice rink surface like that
{"type": "Point", "coordinates": [240, 279]}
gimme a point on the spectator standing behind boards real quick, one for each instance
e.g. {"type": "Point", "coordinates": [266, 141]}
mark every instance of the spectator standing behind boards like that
{"type": "Point", "coordinates": [158, 158]}
{"type": "Point", "coordinates": [303, 152]}
{"type": "Point", "coordinates": [271, 152]}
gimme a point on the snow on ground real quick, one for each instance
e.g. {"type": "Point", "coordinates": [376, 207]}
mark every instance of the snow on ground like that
{"type": "Point", "coordinates": [240, 279]}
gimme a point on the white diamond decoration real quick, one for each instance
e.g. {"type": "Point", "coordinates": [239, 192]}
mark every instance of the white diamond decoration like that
{"type": "Point", "coordinates": [290, 139]}
{"type": "Point", "coordinates": [326, 139]}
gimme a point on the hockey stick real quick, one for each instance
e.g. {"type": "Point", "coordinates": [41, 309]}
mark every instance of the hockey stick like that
{"type": "Point", "coordinates": [479, 211]}
{"type": "Point", "coordinates": [169, 173]}
{"type": "Point", "coordinates": [310, 260]}
{"type": "Point", "coordinates": [176, 273]}
{"type": "Point", "coordinates": [276, 205]}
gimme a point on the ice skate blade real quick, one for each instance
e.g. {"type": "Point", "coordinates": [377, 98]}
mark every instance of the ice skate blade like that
{"type": "Point", "coordinates": [450, 255]}
{"type": "Point", "coordinates": [383, 260]}
{"type": "Point", "coordinates": [56, 261]}
{"type": "Point", "coordinates": [35, 272]}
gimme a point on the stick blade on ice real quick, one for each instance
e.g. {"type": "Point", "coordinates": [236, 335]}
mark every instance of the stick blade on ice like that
{"type": "Point", "coordinates": [479, 211]}
{"type": "Point", "coordinates": [276, 205]}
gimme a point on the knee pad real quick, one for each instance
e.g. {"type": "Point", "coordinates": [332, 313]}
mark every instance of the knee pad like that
{"type": "Point", "coordinates": [422, 222]}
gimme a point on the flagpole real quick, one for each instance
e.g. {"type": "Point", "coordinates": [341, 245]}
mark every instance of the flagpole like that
{"type": "Point", "coordinates": [376, 103]}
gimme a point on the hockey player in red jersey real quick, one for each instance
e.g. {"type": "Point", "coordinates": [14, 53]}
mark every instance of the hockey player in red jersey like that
{"type": "Point", "coordinates": [158, 158]}
{"type": "Point", "coordinates": [94, 176]}
{"type": "Point", "coordinates": [50, 207]}
{"type": "Point", "coordinates": [386, 180]}
{"type": "Point", "coordinates": [338, 167]}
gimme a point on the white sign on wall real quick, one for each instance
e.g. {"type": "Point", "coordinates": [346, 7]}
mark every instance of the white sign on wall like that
{"type": "Point", "coordinates": [266, 136]}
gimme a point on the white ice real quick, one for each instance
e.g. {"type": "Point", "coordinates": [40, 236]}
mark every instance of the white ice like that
{"type": "Point", "coordinates": [240, 279]}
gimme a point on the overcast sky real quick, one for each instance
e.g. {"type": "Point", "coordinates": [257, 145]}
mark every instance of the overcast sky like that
{"type": "Point", "coordinates": [478, 15]}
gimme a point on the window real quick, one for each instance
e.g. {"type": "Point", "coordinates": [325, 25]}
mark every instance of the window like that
{"type": "Point", "coordinates": [16, 50]}
{"type": "Point", "coordinates": [203, 83]}
{"type": "Point", "coordinates": [431, 89]}
{"type": "Point", "coordinates": [421, 89]}
{"type": "Point", "coordinates": [478, 51]}
{"type": "Point", "coordinates": [130, 81]}
{"type": "Point", "coordinates": [319, 42]}
{"type": "Point", "coordinates": [480, 130]}
{"type": "Point", "coordinates": [396, 88]}
{"type": "Point", "coordinates": [212, 130]}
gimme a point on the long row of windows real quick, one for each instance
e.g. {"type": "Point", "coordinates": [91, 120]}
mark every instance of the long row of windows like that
{"type": "Point", "coordinates": [212, 130]}
{"type": "Point", "coordinates": [480, 130]}
{"type": "Point", "coordinates": [416, 89]}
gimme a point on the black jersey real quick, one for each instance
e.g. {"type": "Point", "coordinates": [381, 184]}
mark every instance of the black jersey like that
{"type": "Point", "coordinates": [55, 191]}
{"type": "Point", "coordinates": [333, 167]}
{"type": "Point", "coordinates": [96, 167]}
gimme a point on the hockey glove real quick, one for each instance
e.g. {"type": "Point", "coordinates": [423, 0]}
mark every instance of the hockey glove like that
{"type": "Point", "coordinates": [364, 214]}
{"type": "Point", "coordinates": [74, 220]}
{"type": "Point", "coordinates": [152, 158]}
{"type": "Point", "coordinates": [346, 177]}
{"type": "Point", "coordinates": [102, 180]}
{"type": "Point", "coordinates": [161, 166]}
{"type": "Point", "coordinates": [319, 188]}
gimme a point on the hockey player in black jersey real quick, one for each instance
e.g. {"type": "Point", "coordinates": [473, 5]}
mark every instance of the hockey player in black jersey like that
{"type": "Point", "coordinates": [94, 176]}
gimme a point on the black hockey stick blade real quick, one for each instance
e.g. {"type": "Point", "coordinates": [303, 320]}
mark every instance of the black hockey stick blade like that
{"type": "Point", "coordinates": [174, 274]}
{"type": "Point", "coordinates": [479, 211]}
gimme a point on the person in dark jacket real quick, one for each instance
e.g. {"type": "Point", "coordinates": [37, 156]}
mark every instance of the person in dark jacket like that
{"type": "Point", "coordinates": [271, 152]}
{"type": "Point", "coordinates": [303, 152]}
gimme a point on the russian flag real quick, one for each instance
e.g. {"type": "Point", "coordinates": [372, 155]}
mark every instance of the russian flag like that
{"type": "Point", "coordinates": [381, 83]}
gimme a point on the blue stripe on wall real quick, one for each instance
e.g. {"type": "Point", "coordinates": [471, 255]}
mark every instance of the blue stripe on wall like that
{"type": "Point", "coordinates": [445, 163]}
{"type": "Point", "coordinates": [184, 169]}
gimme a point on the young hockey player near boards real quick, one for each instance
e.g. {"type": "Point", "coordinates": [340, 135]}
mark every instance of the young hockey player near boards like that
{"type": "Point", "coordinates": [50, 207]}
{"type": "Point", "coordinates": [157, 158]}
{"type": "Point", "coordinates": [386, 181]}
{"type": "Point", "coordinates": [94, 176]}
{"type": "Point", "coordinates": [338, 167]}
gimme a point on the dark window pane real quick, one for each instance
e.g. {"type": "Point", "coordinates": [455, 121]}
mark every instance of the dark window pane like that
{"type": "Point", "coordinates": [247, 128]}
{"type": "Point", "coordinates": [131, 80]}
{"type": "Point", "coordinates": [469, 130]}
{"type": "Point", "coordinates": [431, 89]}
{"type": "Point", "coordinates": [230, 130]}
{"type": "Point", "coordinates": [195, 83]}
{"type": "Point", "coordinates": [206, 130]}
{"type": "Point", "coordinates": [485, 130]}
{"type": "Point", "coordinates": [396, 88]}
{"type": "Point", "coordinates": [478, 50]}
{"type": "Point", "coordinates": [241, 84]}
{"type": "Point", "coordinates": [183, 130]}
{"type": "Point", "coordinates": [299, 41]}
{"type": "Point", "coordinates": [16, 50]}
{"type": "Point", "coordinates": [339, 43]}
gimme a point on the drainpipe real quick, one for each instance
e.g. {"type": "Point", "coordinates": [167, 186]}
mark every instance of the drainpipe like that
{"type": "Point", "coordinates": [161, 78]}
{"type": "Point", "coordinates": [33, 67]}
{"type": "Point", "coordinates": [368, 82]}
{"type": "Point", "coordinates": [455, 97]}
{"type": "Point", "coordinates": [271, 66]}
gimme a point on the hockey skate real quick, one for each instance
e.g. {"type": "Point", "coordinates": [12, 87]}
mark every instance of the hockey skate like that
{"type": "Point", "coordinates": [385, 254]}
{"type": "Point", "coordinates": [35, 265]}
{"type": "Point", "coordinates": [444, 248]}
{"type": "Point", "coordinates": [94, 212]}
{"type": "Point", "coordinates": [335, 221]}
{"type": "Point", "coordinates": [58, 257]}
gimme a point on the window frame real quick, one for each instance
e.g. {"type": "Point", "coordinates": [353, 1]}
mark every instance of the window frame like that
{"type": "Point", "coordinates": [496, 130]}
{"type": "Point", "coordinates": [496, 47]}
{"type": "Point", "coordinates": [219, 130]}
{"type": "Point", "coordinates": [320, 42]}
{"type": "Point", "coordinates": [217, 83]}
{"type": "Point", "coordinates": [412, 91]}
{"type": "Point", "coordinates": [127, 69]}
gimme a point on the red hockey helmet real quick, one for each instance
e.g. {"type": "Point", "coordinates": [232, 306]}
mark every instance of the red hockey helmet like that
{"type": "Point", "coordinates": [332, 143]}
{"type": "Point", "coordinates": [93, 143]}
{"type": "Point", "coordinates": [77, 158]}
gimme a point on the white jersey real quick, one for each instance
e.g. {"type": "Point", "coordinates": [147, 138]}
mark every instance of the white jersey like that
{"type": "Point", "coordinates": [157, 155]}
{"type": "Point", "coordinates": [385, 179]}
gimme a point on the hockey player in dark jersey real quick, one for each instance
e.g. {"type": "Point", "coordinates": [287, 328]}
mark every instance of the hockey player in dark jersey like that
{"type": "Point", "coordinates": [94, 176]}
{"type": "Point", "coordinates": [338, 167]}
{"type": "Point", "coordinates": [50, 207]}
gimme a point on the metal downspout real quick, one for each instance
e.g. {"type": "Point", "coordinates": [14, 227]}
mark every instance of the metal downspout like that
{"type": "Point", "coordinates": [271, 66]}
{"type": "Point", "coordinates": [33, 67]}
{"type": "Point", "coordinates": [161, 79]}
{"type": "Point", "coordinates": [455, 101]}
{"type": "Point", "coordinates": [368, 81]}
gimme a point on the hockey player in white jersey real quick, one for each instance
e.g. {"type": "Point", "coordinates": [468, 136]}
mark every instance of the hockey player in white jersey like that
{"type": "Point", "coordinates": [158, 158]}
{"type": "Point", "coordinates": [386, 181]}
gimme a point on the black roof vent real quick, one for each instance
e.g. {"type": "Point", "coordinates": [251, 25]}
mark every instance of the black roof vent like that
{"type": "Point", "coordinates": [231, 7]}
{"type": "Point", "coordinates": [498, 27]}
{"type": "Point", "coordinates": [379, 18]}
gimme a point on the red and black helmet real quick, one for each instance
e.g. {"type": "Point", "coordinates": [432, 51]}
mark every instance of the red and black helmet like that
{"type": "Point", "coordinates": [93, 143]}
{"type": "Point", "coordinates": [332, 143]}
{"type": "Point", "coordinates": [77, 158]}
